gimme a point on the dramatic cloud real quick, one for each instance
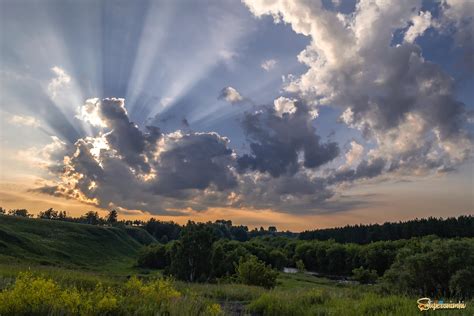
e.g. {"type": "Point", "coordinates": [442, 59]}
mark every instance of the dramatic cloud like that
{"type": "Point", "coordinates": [230, 95]}
{"type": "Point", "coordinates": [387, 91]}
{"type": "Point", "coordinates": [123, 166]}
{"type": "Point", "coordinates": [277, 140]}
{"type": "Point", "coordinates": [367, 65]}
{"type": "Point", "coordinates": [268, 64]}
{"type": "Point", "coordinates": [151, 171]}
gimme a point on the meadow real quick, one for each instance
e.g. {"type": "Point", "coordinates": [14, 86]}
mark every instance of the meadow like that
{"type": "Point", "coordinates": [57, 268]}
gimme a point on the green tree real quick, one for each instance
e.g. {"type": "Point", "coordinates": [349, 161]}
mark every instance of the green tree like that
{"type": "Point", "coordinates": [252, 271]}
{"type": "Point", "coordinates": [431, 266]}
{"type": "Point", "coordinates": [19, 212]}
{"type": "Point", "coordinates": [48, 214]}
{"type": "Point", "coordinates": [461, 283]}
{"type": "Point", "coordinates": [364, 276]}
{"type": "Point", "coordinates": [91, 217]}
{"type": "Point", "coordinates": [154, 256]}
{"type": "Point", "coordinates": [191, 256]}
{"type": "Point", "coordinates": [112, 217]}
{"type": "Point", "coordinates": [225, 257]}
{"type": "Point", "coordinates": [278, 259]}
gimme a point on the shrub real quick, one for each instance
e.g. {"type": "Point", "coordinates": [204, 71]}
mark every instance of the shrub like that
{"type": "Point", "coordinates": [364, 276]}
{"type": "Point", "coordinates": [153, 257]}
{"type": "Point", "coordinates": [252, 271]}
{"type": "Point", "coordinates": [300, 266]}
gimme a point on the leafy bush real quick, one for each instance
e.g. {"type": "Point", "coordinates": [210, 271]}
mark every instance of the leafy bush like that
{"type": "Point", "coordinates": [300, 266]}
{"type": "Point", "coordinates": [252, 271]}
{"type": "Point", "coordinates": [364, 276]}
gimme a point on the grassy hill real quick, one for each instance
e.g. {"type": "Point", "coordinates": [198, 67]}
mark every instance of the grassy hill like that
{"type": "Point", "coordinates": [56, 243]}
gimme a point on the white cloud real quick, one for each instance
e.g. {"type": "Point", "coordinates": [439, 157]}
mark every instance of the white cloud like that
{"type": "Point", "coordinates": [385, 89]}
{"type": "Point", "coordinates": [420, 24]}
{"type": "Point", "coordinates": [269, 64]}
{"type": "Point", "coordinates": [89, 112]}
{"type": "Point", "coordinates": [60, 81]}
{"type": "Point", "coordinates": [24, 120]}
{"type": "Point", "coordinates": [354, 155]}
{"type": "Point", "coordinates": [230, 95]}
{"type": "Point", "coordinates": [284, 105]}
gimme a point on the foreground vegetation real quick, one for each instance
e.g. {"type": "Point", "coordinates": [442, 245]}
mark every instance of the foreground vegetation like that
{"type": "Point", "coordinates": [36, 293]}
{"type": "Point", "coordinates": [50, 267]}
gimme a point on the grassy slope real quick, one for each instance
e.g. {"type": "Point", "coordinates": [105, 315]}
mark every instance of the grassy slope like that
{"type": "Point", "coordinates": [46, 242]}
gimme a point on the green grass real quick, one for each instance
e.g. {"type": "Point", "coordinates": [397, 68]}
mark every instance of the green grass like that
{"type": "Point", "coordinates": [90, 261]}
{"type": "Point", "coordinates": [299, 294]}
{"type": "Point", "coordinates": [295, 294]}
{"type": "Point", "coordinates": [27, 241]}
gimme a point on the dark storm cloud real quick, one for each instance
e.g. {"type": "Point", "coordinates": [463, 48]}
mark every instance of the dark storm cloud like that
{"type": "Point", "coordinates": [194, 161]}
{"type": "Point", "coordinates": [126, 138]}
{"type": "Point", "coordinates": [276, 141]}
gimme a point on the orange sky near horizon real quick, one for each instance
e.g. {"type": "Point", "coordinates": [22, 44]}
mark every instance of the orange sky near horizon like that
{"type": "Point", "coordinates": [438, 197]}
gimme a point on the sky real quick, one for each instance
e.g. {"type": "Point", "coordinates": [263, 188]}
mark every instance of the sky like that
{"type": "Point", "coordinates": [299, 114]}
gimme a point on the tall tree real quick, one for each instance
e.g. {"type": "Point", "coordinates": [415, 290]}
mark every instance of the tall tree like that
{"type": "Point", "coordinates": [191, 259]}
{"type": "Point", "coordinates": [48, 214]}
{"type": "Point", "coordinates": [91, 217]}
{"type": "Point", "coordinates": [112, 217]}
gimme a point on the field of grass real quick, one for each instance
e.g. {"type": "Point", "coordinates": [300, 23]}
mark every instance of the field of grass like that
{"type": "Point", "coordinates": [27, 241]}
{"type": "Point", "coordinates": [295, 294]}
{"type": "Point", "coordinates": [59, 268]}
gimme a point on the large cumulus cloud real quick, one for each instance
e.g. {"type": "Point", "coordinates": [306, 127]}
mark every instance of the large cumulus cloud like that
{"type": "Point", "coordinates": [277, 139]}
{"type": "Point", "coordinates": [366, 64]}
{"type": "Point", "coordinates": [147, 170]}
{"type": "Point", "coordinates": [387, 90]}
{"type": "Point", "coordinates": [130, 168]}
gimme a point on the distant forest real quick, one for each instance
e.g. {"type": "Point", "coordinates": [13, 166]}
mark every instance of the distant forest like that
{"type": "Point", "coordinates": [462, 226]}
{"type": "Point", "coordinates": [418, 263]}
{"type": "Point", "coordinates": [164, 231]}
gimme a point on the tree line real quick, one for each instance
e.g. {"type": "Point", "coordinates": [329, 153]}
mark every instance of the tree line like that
{"type": "Point", "coordinates": [429, 263]}
{"type": "Point", "coordinates": [418, 266]}
{"type": "Point", "coordinates": [462, 226]}
{"type": "Point", "coordinates": [164, 231]}
{"type": "Point", "coordinates": [90, 217]}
